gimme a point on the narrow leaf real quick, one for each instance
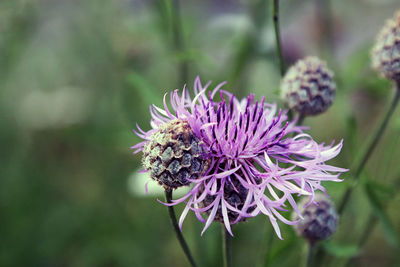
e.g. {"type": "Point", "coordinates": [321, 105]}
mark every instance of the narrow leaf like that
{"type": "Point", "coordinates": [380, 212]}
{"type": "Point", "coordinates": [341, 250]}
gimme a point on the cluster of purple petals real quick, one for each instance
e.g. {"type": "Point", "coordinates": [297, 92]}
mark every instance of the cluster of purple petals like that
{"type": "Point", "coordinates": [249, 142]}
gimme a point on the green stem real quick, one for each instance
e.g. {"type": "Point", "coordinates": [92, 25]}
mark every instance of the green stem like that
{"type": "Point", "coordinates": [366, 234]}
{"type": "Point", "coordinates": [182, 242]}
{"type": "Point", "coordinates": [275, 16]}
{"type": "Point", "coordinates": [266, 246]}
{"type": "Point", "coordinates": [226, 247]}
{"type": "Point", "coordinates": [326, 31]}
{"type": "Point", "coordinates": [360, 166]}
{"type": "Point", "coordinates": [310, 254]}
{"type": "Point", "coordinates": [319, 256]}
{"type": "Point", "coordinates": [358, 169]}
{"type": "Point", "coordinates": [246, 50]}
{"type": "Point", "coordinates": [179, 45]}
{"type": "Point", "coordinates": [300, 119]}
{"type": "Point", "coordinates": [372, 220]}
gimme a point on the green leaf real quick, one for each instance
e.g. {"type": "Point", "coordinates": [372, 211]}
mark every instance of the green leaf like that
{"type": "Point", "coordinates": [341, 250]}
{"type": "Point", "coordinates": [382, 191]}
{"type": "Point", "coordinates": [351, 132]}
{"type": "Point", "coordinates": [379, 210]}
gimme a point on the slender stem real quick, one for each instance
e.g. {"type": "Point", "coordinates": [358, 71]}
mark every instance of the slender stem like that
{"type": "Point", "coordinates": [177, 31]}
{"type": "Point", "coordinates": [247, 49]}
{"type": "Point", "coordinates": [299, 122]}
{"type": "Point", "coordinates": [326, 31]}
{"type": "Point", "coordinates": [300, 119]}
{"type": "Point", "coordinates": [359, 167]}
{"type": "Point", "coordinates": [266, 247]}
{"type": "Point", "coordinates": [310, 254]}
{"type": "Point", "coordinates": [226, 247]}
{"type": "Point", "coordinates": [372, 220]}
{"type": "Point", "coordinates": [319, 256]}
{"type": "Point", "coordinates": [278, 44]}
{"type": "Point", "coordinates": [182, 242]}
{"type": "Point", "coordinates": [275, 16]}
{"type": "Point", "coordinates": [379, 132]}
{"type": "Point", "coordinates": [366, 234]}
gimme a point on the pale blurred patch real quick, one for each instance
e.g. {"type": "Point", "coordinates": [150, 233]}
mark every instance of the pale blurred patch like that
{"type": "Point", "coordinates": [137, 186]}
{"type": "Point", "coordinates": [55, 109]}
{"type": "Point", "coordinates": [381, 2]}
{"type": "Point", "coordinates": [230, 24]}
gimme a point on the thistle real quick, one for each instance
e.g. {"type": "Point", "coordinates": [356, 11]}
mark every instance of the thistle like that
{"type": "Point", "coordinates": [319, 221]}
{"type": "Point", "coordinates": [308, 87]}
{"type": "Point", "coordinates": [386, 52]}
{"type": "Point", "coordinates": [174, 155]}
{"type": "Point", "coordinates": [254, 164]}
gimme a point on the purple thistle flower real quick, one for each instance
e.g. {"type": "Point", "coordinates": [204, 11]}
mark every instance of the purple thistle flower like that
{"type": "Point", "coordinates": [258, 160]}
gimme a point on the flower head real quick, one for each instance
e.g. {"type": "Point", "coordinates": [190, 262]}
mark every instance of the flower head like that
{"type": "Point", "coordinates": [255, 165]}
{"type": "Point", "coordinates": [308, 87]}
{"type": "Point", "coordinates": [320, 219]}
{"type": "Point", "coordinates": [174, 155]}
{"type": "Point", "coordinates": [386, 52]}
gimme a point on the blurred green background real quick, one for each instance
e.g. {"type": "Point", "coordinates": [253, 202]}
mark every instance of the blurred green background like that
{"type": "Point", "coordinates": [75, 77]}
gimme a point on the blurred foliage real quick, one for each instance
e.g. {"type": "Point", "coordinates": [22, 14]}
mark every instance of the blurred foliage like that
{"type": "Point", "coordinates": [75, 77]}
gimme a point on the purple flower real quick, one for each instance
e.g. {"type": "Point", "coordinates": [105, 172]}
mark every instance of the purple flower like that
{"type": "Point", "coordinates": [257, 160]}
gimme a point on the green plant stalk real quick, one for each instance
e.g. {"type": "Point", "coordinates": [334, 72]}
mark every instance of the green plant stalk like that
{"type": "Point", "coordinates": [300, 119]}
{"type": "Point", "coordinates": [310, 254]}
{"type": "Point", "coordinates": [182, 242]}
{"type": "Point", "coordinates": [258, 12]}
{"type": "Point", "coordinates": [372, 221]}
{"type": "Point", "coordinates": [275, 16]}
{"type": "Point", "coordinates": [178, 40]}
{"type": "Point", "coordinates": [278, 44]}
{"type": "Point", "coordinates": [359, 167]}
{"type": "Point", "coordinates": [324, 12]}
{"type": "Point", "coordinates": [268, 240]}
{"type": "Point", "coordinates": [226, 247]}
{"type": "Point", "coordinates": [266, 245]}
{"type": "Point", "coordinates": [364, 159]}
{"type": "Point", "coordinates": [366, 234]}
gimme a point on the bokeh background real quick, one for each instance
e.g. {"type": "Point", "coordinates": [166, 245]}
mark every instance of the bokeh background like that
{"type": "Point", "coordinates": [76, 76]}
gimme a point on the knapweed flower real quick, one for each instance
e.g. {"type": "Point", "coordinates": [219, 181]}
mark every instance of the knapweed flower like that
{"type": "Point", "coordinates": [320, 219]}
{"type": "Point", "coordinates": [308, 87]}
{"type": "Point", "coordinates": [174, 155]}
{"type": "Point", "coordinates": [386, 52]}
{"type": "Point", "coordinates": [256, 160]}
